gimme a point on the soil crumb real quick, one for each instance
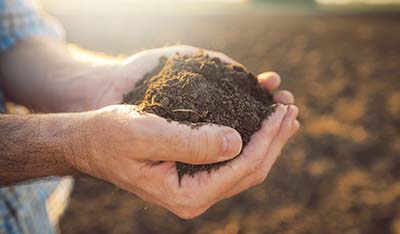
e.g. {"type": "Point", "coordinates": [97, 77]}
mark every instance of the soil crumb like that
{"type": "Point", "coordinates": [198, 89]}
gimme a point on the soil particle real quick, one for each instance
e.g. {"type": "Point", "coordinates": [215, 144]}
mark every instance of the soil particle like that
{"type": "Point", "coordinates": [198, 89]}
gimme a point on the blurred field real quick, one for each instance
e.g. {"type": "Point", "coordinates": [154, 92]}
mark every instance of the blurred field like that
{"type": "Point", "coordinates": [341, 174]}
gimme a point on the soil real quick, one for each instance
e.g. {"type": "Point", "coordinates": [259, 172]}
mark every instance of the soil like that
{"type": "Point", "coordinates": [340, 174]}
{"type": "Point", "coordinates": [196, 90]}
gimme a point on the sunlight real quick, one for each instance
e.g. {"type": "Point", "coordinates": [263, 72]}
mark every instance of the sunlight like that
{"type": "Point", "coordinates": [374, 2]}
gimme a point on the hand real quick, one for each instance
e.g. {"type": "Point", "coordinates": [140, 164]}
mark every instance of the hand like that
{"type": "Point", "coordinates": [140, 142]}
{"type": "Point", "coordinates": [127, 148]}
{"type": "Point", "coordinates": [120, 78]}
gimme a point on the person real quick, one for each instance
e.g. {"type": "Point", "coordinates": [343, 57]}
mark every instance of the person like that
{"type": "Point", "coordinates": [78, 126]}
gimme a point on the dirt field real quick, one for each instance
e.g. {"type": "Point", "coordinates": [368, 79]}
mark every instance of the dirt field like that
{"type": "Point", "coordinates": [341, 174]}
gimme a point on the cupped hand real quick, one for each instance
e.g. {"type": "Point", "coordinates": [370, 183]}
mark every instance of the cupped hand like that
{"type": "Point", "coordinates": [137, 152]}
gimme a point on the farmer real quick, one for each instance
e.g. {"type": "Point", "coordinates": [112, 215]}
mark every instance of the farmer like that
{"type": "Point", "coordinates": [85, 132]}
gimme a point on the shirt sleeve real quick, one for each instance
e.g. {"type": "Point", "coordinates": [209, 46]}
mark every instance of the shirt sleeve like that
{"type": "Point", "coordinates": [20, 19]}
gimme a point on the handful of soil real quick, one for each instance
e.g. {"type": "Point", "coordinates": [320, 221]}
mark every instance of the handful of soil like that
{"type": "Point", "coordinates": [197, 89]}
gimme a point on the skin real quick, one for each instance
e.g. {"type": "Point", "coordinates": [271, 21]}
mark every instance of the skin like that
{"type": "Point", "coordinates": [136, 152]}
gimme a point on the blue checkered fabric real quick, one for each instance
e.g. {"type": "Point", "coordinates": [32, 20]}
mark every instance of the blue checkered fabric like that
{"type": "Point", "coordinates": [23, 208]}
{"type": "Point", "coordinates": [20, 19]}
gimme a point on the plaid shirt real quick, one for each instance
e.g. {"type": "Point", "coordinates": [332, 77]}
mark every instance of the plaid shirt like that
{"type": "Point", "coordinates": [33, 207]}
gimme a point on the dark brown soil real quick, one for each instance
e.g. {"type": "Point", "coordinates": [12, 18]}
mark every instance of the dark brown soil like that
{"type": "Point", "coordinates": [197, 89]}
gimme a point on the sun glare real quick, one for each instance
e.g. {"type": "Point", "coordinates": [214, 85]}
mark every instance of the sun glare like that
{"type": "Point", "coordinates": [375, 2]}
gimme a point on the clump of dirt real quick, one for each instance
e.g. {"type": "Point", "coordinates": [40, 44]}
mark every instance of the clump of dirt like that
{"type": "Point", "coordinates": [197, 89]}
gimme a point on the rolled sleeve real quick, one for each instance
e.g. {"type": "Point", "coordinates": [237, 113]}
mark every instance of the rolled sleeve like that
{"type": "Point", "coordinates": [20, 19]}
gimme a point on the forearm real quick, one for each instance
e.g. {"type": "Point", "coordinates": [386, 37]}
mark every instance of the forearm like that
{"type": "Point", "coordinates": [44, 75]}
{"type": "Point", "coordinates": [33, 146]}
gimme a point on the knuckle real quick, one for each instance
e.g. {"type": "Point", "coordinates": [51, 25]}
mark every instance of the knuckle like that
{"type": "Point", "coordinates": [261, 177]}
{"type": "Point", "coordinates": [225, 57]}
{"type": "Point", "coordinates": [186, 48]}
{"type": "Point", "coordinates": [187, 146]}
{"type": "Point", "coordinates": [199, 145]}
{"type": "Point", "coordinates": [258, 161]}
{"type": "Point", "coordinates": [255, 166]}
{"type": "Point", "coordinates": [220, 54]}
{"type": "Point", "coordinates": [190, 146]}
{"type": "Point", "coordinates": [110, 110]}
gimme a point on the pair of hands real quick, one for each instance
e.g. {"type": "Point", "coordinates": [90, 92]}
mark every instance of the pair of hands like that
{"type": "Point", "coordinates": [137, 152]}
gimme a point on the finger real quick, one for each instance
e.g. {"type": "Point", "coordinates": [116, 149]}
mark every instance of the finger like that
{"type": "Point", "coordinates": [224, 58]}
{"type": "Point", "coordinates": [260, 174]}
{"type": "Point", "coordinates": [182, 49]}
{"type": "Point", "coordinates": [142, 61]}
{"type": "Point", "coordinates": [225, 177]}
{"type": "Point", "coordinates": [172, 141]}
{"type": "Point", "coordinates": [209, 188]}
{"type": "Point", "coordinates": [150, 58]}
{"type": "Point", "coordinates": [269, 80]}
{"type": "Point", "coordinates": [285, 132]}
{"type": "Point", "coordinates": [185, 49]}
{"type": "Point", "coordinates": [260, 141]}
{"type": "Point", "coordinates": [284, 97]}
{"type": "Point", "coordinates": [295, 127]}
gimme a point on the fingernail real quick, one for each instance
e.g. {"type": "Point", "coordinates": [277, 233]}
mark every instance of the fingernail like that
{"type": "Point", "coordinates": [289, 109]}
{"type": "Point", "coordinates": [292, 110]}
{"type": "Point", "coordinates": [280, 108]}
{"type": "Point", "coordinates": [280, 111]}
{"type": "Point", "coordinates": [231, 145]}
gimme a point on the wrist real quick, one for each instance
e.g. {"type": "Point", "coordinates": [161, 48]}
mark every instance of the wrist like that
{"type": "Point", "coordinates": [74, 140]}
{"type": "Point", "coordinates": [60, 132]}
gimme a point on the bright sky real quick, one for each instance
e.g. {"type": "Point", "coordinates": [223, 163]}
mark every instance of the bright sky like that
{"type": "Point", "coordinates": [322, 1]}
{"type": "Point", "coordinates": [359, 1]}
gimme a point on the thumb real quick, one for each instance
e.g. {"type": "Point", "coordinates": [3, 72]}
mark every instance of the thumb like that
{"type": "Point", "coordinates": [172, 141]}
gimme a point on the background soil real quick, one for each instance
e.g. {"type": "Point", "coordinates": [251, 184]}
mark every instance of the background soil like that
{"type": "Point", "coordinates": [341, 174]}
